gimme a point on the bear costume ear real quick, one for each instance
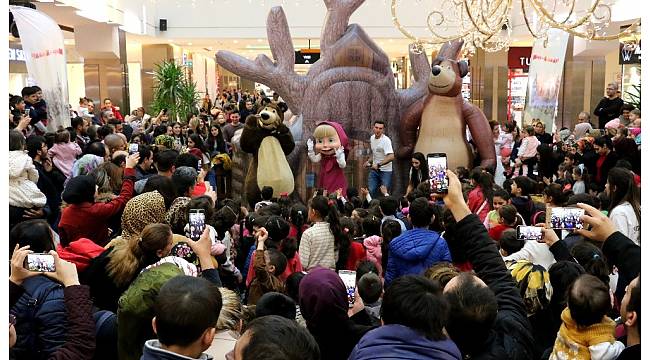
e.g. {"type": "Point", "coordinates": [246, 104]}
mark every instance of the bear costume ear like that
{"type": "Point", "coordinates": [282, 106]}
{"type": "Point", "coordinates": [463, 68]}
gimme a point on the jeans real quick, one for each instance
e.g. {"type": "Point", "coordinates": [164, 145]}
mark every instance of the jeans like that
{"type": "Point", "coordinates": [377, 178]}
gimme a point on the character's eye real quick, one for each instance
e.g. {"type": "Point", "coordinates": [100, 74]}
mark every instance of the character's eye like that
{"type": "Point", "coordinates": [331, 140]}
{"type": "Point", "coordinates": [273, 110]}
{"type": "Point", "coordinates": [320, 141]}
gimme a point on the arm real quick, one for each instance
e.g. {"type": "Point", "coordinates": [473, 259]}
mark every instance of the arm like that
{"type": "Point", "coordinates": [479, 127]}
{"type": "Point", "coordinates": [250, 140]}
{"type": "Point", "coordinates": [285, 138]}
{"type": "Point", "coordinates": [599, 110]}
{"type": "Point", "coordinates": [80, 343]}
{"type": "Point", "coordinates": [105, 210]}
{"type": "Point", "coordinates": [389, 158]}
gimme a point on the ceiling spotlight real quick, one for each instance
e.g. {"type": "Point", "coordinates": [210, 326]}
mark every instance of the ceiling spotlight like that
{"type": "Point", "coordinates": [235, 41]}
{"type": "Point", "coordinates": [189, 44]}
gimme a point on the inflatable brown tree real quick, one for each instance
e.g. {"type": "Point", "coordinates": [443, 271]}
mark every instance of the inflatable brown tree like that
{"type": "Point", "coordinates": [352, 84]}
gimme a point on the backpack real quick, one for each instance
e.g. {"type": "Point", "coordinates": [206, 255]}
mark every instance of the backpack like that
{"type": "Point", "coordinates": [537, 211]}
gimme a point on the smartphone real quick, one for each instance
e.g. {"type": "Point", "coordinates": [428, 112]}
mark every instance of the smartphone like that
{"type": "Point", "coordinates": [26, 112]}
{"type": "Point", "coordinates": [40, 263]}
{"type": "Point", "coordinates": [564, 218]}
{"type": "Point", "coordinates": [197, 223]}
{"type": "Point", "coordinates": [133, 148]}
{"type": "Point", "coordinates": [350, 281]}
{"type": "Point", "coordinates": [529, 233]}
{"type": "Point", "coordinates": [198, 166]}
{"type": "Point", "coordinates": [437, 163]}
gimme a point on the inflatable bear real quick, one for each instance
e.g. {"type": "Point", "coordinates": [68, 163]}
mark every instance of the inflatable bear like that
{"type": "Point", "coordinates": [269, 140]}
{"type": "Point", "coordinates": [443, 116]}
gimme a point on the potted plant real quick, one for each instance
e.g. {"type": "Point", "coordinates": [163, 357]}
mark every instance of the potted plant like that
{"type": "Point", "coordinates": [173, 91]}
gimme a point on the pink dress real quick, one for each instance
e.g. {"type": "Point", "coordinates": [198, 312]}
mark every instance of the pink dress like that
{"type": "Point", "coordinates": [331, 175]}
{"type": "Point", "coordinates": [64, 155]}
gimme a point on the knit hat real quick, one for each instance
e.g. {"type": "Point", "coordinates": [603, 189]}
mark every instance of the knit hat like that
{"type": "Point", "coordinates": [534, 284]}
{"type": "Point", "coordinates": [79, 189]}
{"type": "Point", "coordinates": [613, 124]}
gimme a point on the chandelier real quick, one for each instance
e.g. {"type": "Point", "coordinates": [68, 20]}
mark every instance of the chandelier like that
{"type": "Point", "coordinates": [485, 24]}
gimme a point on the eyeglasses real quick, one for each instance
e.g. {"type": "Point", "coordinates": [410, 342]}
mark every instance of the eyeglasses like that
{"type": "Point", "coordinates": [12, 319]}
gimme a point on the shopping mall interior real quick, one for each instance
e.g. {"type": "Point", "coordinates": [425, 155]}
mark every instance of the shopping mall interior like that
{"type": "Point", "coordinates": [111, 49]}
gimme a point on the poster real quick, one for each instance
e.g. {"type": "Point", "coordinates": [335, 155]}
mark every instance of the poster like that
{"type": "Point", "coordinates": [545, 78]}
{"type": "Point", "coordinates": [44, 53]}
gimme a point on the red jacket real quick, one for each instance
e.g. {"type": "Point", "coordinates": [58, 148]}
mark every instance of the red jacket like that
{"type": "Point", "coordinates": [477, 203]}
{"type": "Point", "coordinates": [89, 220]}
{"type": "Point", "coordinates": [80, 253]}
{"type": "Point", "coordinates": [117, 114]}
{"type": "Point", "coordinates": [357, 254]}
{"type": "Point", "coordinates": [496, 232]}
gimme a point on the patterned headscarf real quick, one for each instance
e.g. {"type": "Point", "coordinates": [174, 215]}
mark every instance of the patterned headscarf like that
{"type": "Point", "coordinates": [140, 211]}
{"type": "Point", "coordinates": [165, 140]}
{"type": "Point", "coordinates": [176, 215]}
{"type": "Point", "coordinates": [534, 284]}
{"type": "Point", "coordinates": [86, 164]}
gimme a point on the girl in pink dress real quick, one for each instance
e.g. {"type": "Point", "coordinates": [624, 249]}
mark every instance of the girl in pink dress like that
{"type": "Point", "coordinates": [64, 152]}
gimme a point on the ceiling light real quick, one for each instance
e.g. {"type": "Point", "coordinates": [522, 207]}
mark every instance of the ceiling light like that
{"type": "Point", "coordinates": [259, 40]}
{"type": "Point", "coordinates": [189, 44]}
{"type": "Point", "coordinates": [235, 41]}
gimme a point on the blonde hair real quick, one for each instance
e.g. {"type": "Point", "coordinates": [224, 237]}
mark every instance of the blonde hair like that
{"type": "Point", "coordinates": [129, 255]}
{"type": "Point", "coordinates": [231, 310]}
{"type": "Point", "coordinates": [324, 130]}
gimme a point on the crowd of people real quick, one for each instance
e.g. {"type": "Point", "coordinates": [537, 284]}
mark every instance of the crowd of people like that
{"type": "Point", "coordinates": [356, 274]}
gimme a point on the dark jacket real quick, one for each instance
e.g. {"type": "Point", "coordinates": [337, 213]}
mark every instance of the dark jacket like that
{"type": "Point", "coordinates": [153, 351]}
{"type": "Point", "coordinates": [608, 109]}
{"type": "Point", "coordinates": [413, 252]}
{"type": "Point", "coordinates": [400, 342]}
{"type": "Point", "coordinates": [630, 353]}
{"type": "Point", "coordinates": [545, 138]}
{"type": "Point", "coordinates": [41, 321]}
{"type": "Point", "coordinates": [623, 253]}
{"type": "Point", "coordinates": [511, 336]}
{"type": "Point", "coordinates": [51, 185]}
{"type": "Point", "coordinates": [264, 281]}
{"type": "Point", "coordinates": [608, 164]}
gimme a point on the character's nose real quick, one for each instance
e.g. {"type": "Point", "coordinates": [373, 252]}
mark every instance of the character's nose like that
{"type": "Point", "coordinates": [265, 116]}
{"type": "Point", "coordinates": [435, 70]}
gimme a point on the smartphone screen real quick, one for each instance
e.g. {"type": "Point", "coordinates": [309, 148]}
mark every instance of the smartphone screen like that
{"type": "Point", "coordinates": [26, 112]}
{"type": "Point", "coordinates": [133, 148]}
{"type": "Point", "coordinates": [438, 172]}
{"type": "Point", "coordinates": [529, 233]}
{"type": "Point", "coordinates": [197, 223]}
{"type": "Point", "coordinates": [349, 280]}
{"type": "Point", "coordinates": [565, 218]}
{"type": "Point", "coordinates": [40, 263]}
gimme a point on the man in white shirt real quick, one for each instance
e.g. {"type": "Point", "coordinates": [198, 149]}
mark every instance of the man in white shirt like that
{"type": "Point", "coordinates": [381, 162]}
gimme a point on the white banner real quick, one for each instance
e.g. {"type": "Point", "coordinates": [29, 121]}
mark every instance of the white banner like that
{"type": "Point", "coordinates": [42, 42]}
{"type": "Point", "coordinates": [545, 78]}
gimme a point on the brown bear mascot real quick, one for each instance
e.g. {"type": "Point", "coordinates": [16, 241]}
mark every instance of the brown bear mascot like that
{"type": "Point", "coordinates": [442, 117]}
{"type": "Point", "coordinates": [269, 140]}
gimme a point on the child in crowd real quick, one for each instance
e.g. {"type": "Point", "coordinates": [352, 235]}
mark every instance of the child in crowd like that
{"type": "Point", "coordinates": [373, 242]}
{"type": "Point", "coordinates": [370, 290]}
{"type": "Point", "coordinates": [507, 220]}
{"type": "Point", "coordinates": [268, 263]}
{"type": "Point", "coordinates": [579, 177]}
{"type": "Point", "coordinates": [64, 152]}
{"type": "Point", "coordinates": [586, 332]}
{"type": "Point", "coordinates": [527, 152]}
{"type": "Point", "coordinates": [23, 192]}
{"type": "Point", "coordinates": [267, 195]}
{"type": "Point", "coordinates": [499, 199]}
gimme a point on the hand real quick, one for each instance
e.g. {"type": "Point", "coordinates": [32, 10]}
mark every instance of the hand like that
{"type": "Point", "coordinates": [358, 304]}
{"type": "Point", "coordinates": [201, 247]}
{"type": "Point", "coordinates": [202, 174]}
{"type": "Point", "coordinates": [161, 113]}
{"type": "Point", "coordinates": [367, 164]}
{"type": "Point", "coordinates": [310, 145]}
{"type": "Point", "coordinates": [132, 160]}
{"type": "Point", "coordinates": [364, 192]}
{"type": "Point", "coordinates": [375, 166]}
{"type": "Point", "coordinates": [211, 193]}
{"type": "Point", "coordinates": [18, 271]}
{"type": "Point", "coordinates": [261, 236]}
{"type": "Point", "coordinates": [33, 213]}
{"type": "Point", "coordinates": [23, 123]}
{"type": "Point", "coordinates": [340, 152]}
{"type": "Point", "coordinates": [547, 181]}
{"type": "Point", "coordinates": [548, 236]}
{"type": "Point", "coordinates": [339, 193]}
{"type": "Point", "coordinates": [601, 226]}
{"type": "Point", "coordinates": [454, 197]}
{"type": "Point", "coordinates": [47, 163]}
{"type": "Point", "coordinates": [384, 190]}
{"type": "Point", "coordinates": [66, 272]}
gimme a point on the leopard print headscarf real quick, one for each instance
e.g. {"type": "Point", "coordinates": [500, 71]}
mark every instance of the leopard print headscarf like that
{"type": "Point", "coordinates": [140, 211]}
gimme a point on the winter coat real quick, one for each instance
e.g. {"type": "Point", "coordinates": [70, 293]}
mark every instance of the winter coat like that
{"type": "Point", "coordinates": [153, 351]}
{"type": "Point", "coordinates": [80, 253]}
{"type": "Point", "coordinates": [64, 155]}
{"type": "Point", "coordinates": [373, 250]}
{"type": "Point", "coordinates": [41, 321]}
{"type": "Point", "coordinates": [356, 254]}
{"type": "Point", "coordinates": [413, 252]}
{"type": "Point", "coordinates": [135, 310]}
{"type": "Point", "coordinates": [396, 341]}
{"type": "Point", "coordinates": [264, 281]}
{"type": "Point", "coordinates": [23, 176]}
{"type": "Point", "coordinates": [511, 335]}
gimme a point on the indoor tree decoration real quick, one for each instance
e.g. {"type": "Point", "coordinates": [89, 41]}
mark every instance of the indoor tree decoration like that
{"type": "Point", "coordinates": [174, 91]}
{"type": "Point", "coordinates": [635, 97]}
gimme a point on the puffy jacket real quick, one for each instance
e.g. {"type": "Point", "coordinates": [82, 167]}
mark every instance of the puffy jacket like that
{"type": "Point", "coordinates": [373, 250]}
{"type": "Point", "coordinates": [41, 323]}
{"type": "Point", "coordinates": [401, 342]}
{"type": "Point", "coordinates": [80, 253]}
{"type": "Point", "coordinates": [413, 252]}
{"type": "Point", "coordinates": [135, 309]}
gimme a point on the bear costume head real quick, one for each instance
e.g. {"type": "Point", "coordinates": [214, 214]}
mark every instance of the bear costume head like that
{"type": "Point", "coordinates": [271, 115]}
{"type": "Point", "coordinates": [447, 71]}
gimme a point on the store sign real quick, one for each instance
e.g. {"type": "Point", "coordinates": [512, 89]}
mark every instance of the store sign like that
{"type": "Point", "coordinates": [44, 54]}
{"type": "Point", "coordinates": [545, 78]}
{"type": "Point", "coordinates": [16, 55]}
{"type": "Point", "coordinates": [519, 57]}
{"type": "Point", "coordinates": [629, 53]}
{"type": "Point", "coordinates": [307, 56]}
